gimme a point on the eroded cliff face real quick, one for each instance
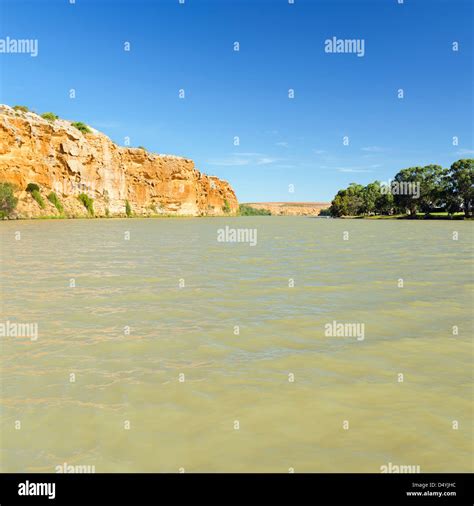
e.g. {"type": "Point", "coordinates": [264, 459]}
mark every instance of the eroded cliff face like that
{"type": "Point", "coordinates": [59, 158]}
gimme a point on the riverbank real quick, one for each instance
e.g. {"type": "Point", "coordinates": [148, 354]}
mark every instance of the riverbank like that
{"type": "Point", "coordinates": [418, 216]}
{"type": "Point", "coordinates": [289, 208]}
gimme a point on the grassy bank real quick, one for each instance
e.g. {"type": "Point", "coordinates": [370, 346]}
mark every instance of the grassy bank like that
{"type": "Point", "coordinates": [417, 216]}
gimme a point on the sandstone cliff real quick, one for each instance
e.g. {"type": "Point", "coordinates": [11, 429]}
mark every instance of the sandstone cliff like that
{"type": "Point", "coordinates": [60, 158]}
{"type": "Point", "coordinates": [291, 208]}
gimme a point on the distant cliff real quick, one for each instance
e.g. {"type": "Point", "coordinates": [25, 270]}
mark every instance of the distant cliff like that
{"type": "Point", "coordinates": [59, 157]}
{"type": "Point", "coordinates": [291, 208]}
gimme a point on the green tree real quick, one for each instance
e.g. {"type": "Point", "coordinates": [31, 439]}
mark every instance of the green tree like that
{"type": "Point", "coordinates": [461, 183]}
{"type": "Point", "coordinates": [370, 194]}
{"type": "Point", "coordinates": [339, 205]}
{"type": "Point", "coordinates": [8, 201]}
{"type": "Point", "coordinates": [404, 195]}
{"type": "Point", "coordinates": [355, 196]}
{"type": "Point", "coordinates": [432, 194]}
{"type": "Point", "coordinates": [246, 210]}
{"type": "Point", "coordinates": [384, 204]}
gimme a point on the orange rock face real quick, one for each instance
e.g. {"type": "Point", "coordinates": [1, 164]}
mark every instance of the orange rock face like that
{"type": "Point", "coordinates": [61, 159]}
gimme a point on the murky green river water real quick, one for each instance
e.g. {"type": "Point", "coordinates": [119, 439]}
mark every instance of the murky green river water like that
{"type": "Point", "coordinates": [141, 367]}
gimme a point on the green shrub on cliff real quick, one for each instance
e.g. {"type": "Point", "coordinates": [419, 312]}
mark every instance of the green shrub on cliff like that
{"type": "Point", "coordinates": [8, 201]}
{"type": "Point", "coordinates": [50, 116]}
{"type": "Point", "coordinates": [88, 203]}
{"type": "Point", "coordinates": [226, 206]}
{"type": "Point", "coordinates": [39, 199]}
{"type": "Point", "coordinates": [32, 187]}
{"type": "Point", "coordinates": [82, 127]}
{"type": "Point", "coordinates": [21, 108]}
{"type": "Point", "coordinates": [54, 199]}
{"type": "Point", "coordinates": [128, 209]}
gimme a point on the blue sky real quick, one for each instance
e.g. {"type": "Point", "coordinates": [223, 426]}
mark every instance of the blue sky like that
{"type": "Point", "coordinates": [283, 141]}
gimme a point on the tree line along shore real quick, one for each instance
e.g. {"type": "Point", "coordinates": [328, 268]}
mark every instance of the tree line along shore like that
{"type": "Point", "coordinates": [417, 192]}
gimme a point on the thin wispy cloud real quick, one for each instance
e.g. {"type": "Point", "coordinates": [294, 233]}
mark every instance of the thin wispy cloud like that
{"type": "Point", "coordinates": [285, 166]}
{"type": "Point", "coordinates": [229, 162]}
{"type": "Point", "coordinates": [282, 144]}
{"type": "Point", "coordinates": [373, 149]}
{"type": "Point", "coordinates": [242, 159]}
{"type": "Point", "coordinates": [350, 169]}
{"type": "Point", "coordinates": [266, 160]}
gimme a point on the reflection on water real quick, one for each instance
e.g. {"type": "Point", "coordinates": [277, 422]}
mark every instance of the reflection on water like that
{"type": "Point", "coordinates": [128, 335]}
